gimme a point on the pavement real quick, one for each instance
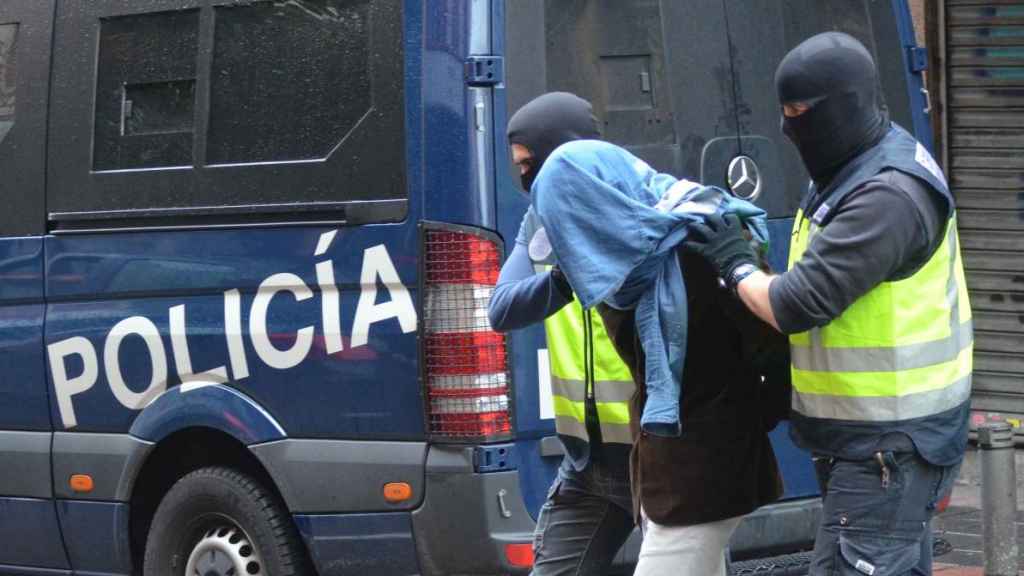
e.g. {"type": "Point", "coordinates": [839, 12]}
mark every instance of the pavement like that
{"type": "Point", "coordinates": [959, 542]}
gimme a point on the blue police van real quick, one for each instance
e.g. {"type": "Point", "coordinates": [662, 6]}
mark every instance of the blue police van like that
{"type": "Point", "coordinates": [247, 246]}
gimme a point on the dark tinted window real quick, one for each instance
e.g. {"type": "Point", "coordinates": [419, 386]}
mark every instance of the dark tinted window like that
{"type": "Point", "coordinates": [8, 76]}
{"type": "Point", "coordinates": [762, 32]}
{"type": "Point", "coordinates": [226, 111]}
{"type": "Point", "coordinates": [657, 73]}
{"type": "Point", "coordinates": [289, 79]}
{"type": "Point", "coordinates": [145, 90]}
{"type": "Point", "coordinates": [688, 86]}
{"type": "Point", "coordinates": [26, 28]}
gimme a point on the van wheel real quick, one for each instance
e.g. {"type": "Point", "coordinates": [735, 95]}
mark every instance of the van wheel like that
{"type": "Point", "coordinates": [221, 522]}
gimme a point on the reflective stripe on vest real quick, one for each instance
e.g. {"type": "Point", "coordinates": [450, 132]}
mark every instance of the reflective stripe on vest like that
{"type": "Point", "coordinates": [903, 350]}
{"type": "Point", "coordinates": [613, 383]}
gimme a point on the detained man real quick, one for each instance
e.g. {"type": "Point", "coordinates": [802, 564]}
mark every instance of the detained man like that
{"type": "Point", "coordinates": [701, 458]}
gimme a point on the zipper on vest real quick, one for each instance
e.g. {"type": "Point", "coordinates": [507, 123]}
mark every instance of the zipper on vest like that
{"type": "Point", "coordinates": [593, 422]}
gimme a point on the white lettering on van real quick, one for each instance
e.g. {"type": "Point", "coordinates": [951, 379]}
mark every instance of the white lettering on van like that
{"type": "Point", "coordinates": [273, 357]}
{"type": "Point", "coordinates": [377, 269]}
{"type": "Point", "coordinates": [66, 387]}
{"type": "Point", "coordinates": [330, 297]}
{"type": "Point", "coordinates": [377, 265]}
{"type": "Point", "coordinates": [233, 333]}
{"type": "Point", "coordinates": [182, 356]}
{"type": "Point", "coordinates": [144, 328]}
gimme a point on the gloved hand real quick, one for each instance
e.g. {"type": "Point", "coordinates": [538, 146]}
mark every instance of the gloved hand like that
{"type": "Point", "coordinates": [561, 282]}
{"type": "Point", "coordinates": [721, 242]}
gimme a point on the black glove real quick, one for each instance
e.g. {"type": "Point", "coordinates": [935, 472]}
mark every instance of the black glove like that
{"type": "Point", "coordinates": [561, 282]}
{"type": "Point", "coordinates": [721, 242]}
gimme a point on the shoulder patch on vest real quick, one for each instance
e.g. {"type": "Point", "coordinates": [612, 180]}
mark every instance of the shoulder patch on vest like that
{"type": "Point", "coordinates": [924, 158]}
{"type": "Point", "coordinates": [540, 247]}
{"type": "Point", "coordinates": [821, 213]}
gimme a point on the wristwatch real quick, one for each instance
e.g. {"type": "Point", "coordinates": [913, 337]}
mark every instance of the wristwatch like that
{"type": "Point", "coordinates": [738, 274]}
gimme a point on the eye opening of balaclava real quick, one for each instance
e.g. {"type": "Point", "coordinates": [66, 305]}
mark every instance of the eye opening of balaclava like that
{"type": "Point", "coordinates": [835, 75]}
{"type": "Point", "coordinates": [548, 121]}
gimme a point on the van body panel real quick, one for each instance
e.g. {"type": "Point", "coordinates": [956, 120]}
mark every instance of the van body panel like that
{"type": "Point", "coordinates": [310, 473]}
{"type": "Point", "coordinates": [23, 398]}
{"type": "Point", "coordinates": [202, 405]}
{"type": "Point", "coordinates": [379, 544]}
{"type": "Point", "coordinates": [113, 461]}
{"type": "Point", "coordinates": [31, 530]}
{"type": "Point", "coordinates": [96, 536]}
{"type": "Point", "coordinates": [367, 389]}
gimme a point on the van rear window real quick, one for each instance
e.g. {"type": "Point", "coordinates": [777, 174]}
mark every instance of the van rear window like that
{"type": "Point", "coordinates": [689, 86]}
{"type": "Point", "coordinates": [223, 111]}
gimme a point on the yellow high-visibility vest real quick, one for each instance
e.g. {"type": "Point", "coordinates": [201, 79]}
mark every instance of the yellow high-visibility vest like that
{"type": "Point", "coordinates": [901, 351]}
{"type": "Point", "coordinates": [611, 384]}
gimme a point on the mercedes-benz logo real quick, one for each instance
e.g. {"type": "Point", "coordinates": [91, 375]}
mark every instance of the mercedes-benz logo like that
{"type": "Point", "coordinates": [744, 178]}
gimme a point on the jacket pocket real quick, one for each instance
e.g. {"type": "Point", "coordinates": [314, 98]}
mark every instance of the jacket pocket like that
{"type": "Point", "coordinates": [872, 554]}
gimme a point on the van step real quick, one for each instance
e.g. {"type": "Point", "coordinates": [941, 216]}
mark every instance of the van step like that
{"type": "Point", "coordinates": [787, 565]}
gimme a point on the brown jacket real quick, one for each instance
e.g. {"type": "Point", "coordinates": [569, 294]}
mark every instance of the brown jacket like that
{"type": "Point", "coordinates": [723, 465]}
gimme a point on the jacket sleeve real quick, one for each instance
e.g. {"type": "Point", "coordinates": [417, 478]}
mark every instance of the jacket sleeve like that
{"type": "Point", "coordinates": [523, 297]}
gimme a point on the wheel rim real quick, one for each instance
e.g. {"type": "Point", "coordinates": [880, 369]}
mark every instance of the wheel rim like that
{"type": "Point", "coordinates": [224, 550]}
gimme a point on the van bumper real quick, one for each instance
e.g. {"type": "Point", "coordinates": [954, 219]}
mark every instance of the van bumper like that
{"type": "Point", "coordinates": [467, 518]}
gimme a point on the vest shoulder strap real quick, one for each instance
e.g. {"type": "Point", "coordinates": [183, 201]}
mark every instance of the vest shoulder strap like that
{"type": "Point", "coordinates": [897, 151]}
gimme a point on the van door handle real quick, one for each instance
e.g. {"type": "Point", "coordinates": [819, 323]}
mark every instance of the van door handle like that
{"type": "Point", "coordinates": [927, 101]}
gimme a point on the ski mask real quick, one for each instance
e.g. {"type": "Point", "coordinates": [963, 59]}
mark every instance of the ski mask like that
{"type": "Point", "coordinates": [547, 122]}
{"type": "Point", "coordinates": [835, 76]}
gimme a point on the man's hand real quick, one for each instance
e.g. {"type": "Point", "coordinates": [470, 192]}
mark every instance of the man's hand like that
{"type": "Point", "coordinates": [721, 242]}
{"type": "Point", "coordinates": [561, 282]}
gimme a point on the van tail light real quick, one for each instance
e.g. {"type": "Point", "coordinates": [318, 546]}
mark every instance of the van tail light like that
{"type": "Point", "coordinates": [464, 362]}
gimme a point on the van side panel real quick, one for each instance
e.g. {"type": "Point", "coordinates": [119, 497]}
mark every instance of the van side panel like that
{"type": "Point", "coordinates": [23, 402]}
{"type": "Point", "coordinates": [243, 307]}
{"type": "Point", "coordinates": [28, 519]}
{"type": "Point", "coordinates": [97, 536]}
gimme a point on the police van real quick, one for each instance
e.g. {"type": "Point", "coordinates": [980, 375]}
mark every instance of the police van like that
{"type": "Point", "coordinates": [246, 251]}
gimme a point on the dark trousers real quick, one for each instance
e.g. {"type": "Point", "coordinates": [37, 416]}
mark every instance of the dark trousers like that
{"type": "Point", "coordinates": [877, 515]}
{"type": "Point", "coordinates": [585, 520]}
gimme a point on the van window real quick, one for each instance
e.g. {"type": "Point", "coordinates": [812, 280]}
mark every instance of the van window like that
{"type": "Point", "coordinates": [227, 112]}
{"type": "Point", "coordinates": [689, 86]}
{"type": "Point", "coordinates": [316, 57]}
{"type": "Point", "coordinates": [25, 32]}
{"type": "Point", "coordinates": [8, 76]}
{"type": "Point", "coordinates": [145, 90]}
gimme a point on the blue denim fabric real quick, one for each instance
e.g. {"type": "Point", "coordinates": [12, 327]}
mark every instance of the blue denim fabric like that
{"type": "Point", "coordinates": [870, 529]}
{"type": "Point", "coordinates": [614, 225]}
{"type": "Point", "coordinates": [585, 520]}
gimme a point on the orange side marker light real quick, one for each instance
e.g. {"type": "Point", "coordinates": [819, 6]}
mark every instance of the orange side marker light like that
{"type": "Point", "coordinates": [81, 483]}
{"type": "Point", "coordinates": [395, 492]}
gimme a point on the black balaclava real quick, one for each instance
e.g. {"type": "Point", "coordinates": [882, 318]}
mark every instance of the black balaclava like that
{"type": "Point", "coordinates": [547, 122]}
{"type": "Point", "coordinates": [835, 75]}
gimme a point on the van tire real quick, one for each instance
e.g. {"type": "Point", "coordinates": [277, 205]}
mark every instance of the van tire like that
{"type": "Point", "coordinates": [223, 515]}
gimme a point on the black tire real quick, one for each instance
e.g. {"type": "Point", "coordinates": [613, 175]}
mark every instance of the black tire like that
{"type": "Point", "coordinates": [204, 501]}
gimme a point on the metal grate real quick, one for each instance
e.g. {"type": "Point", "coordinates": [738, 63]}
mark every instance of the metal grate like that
{"type": "Point", "coordinates": [789, 565]}
{"type": "Point", "coordinates": [465, 362]}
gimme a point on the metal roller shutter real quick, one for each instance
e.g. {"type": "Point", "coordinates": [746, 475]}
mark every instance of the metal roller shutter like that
{"type": "Point", "coordinates": [984, 77]}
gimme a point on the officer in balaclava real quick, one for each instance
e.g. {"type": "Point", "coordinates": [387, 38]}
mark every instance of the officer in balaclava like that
{"type": "Point", "coordinates": [876, 308]}
{"type": "Point", "coordinates": [588, 514]}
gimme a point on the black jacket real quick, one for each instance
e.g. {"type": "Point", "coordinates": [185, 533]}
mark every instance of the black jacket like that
{"type": "Point", "coordinates": [723, 465]}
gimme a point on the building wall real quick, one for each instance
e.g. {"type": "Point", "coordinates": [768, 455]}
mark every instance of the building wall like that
{"type": "Point", "coordinates": [917, 11]}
